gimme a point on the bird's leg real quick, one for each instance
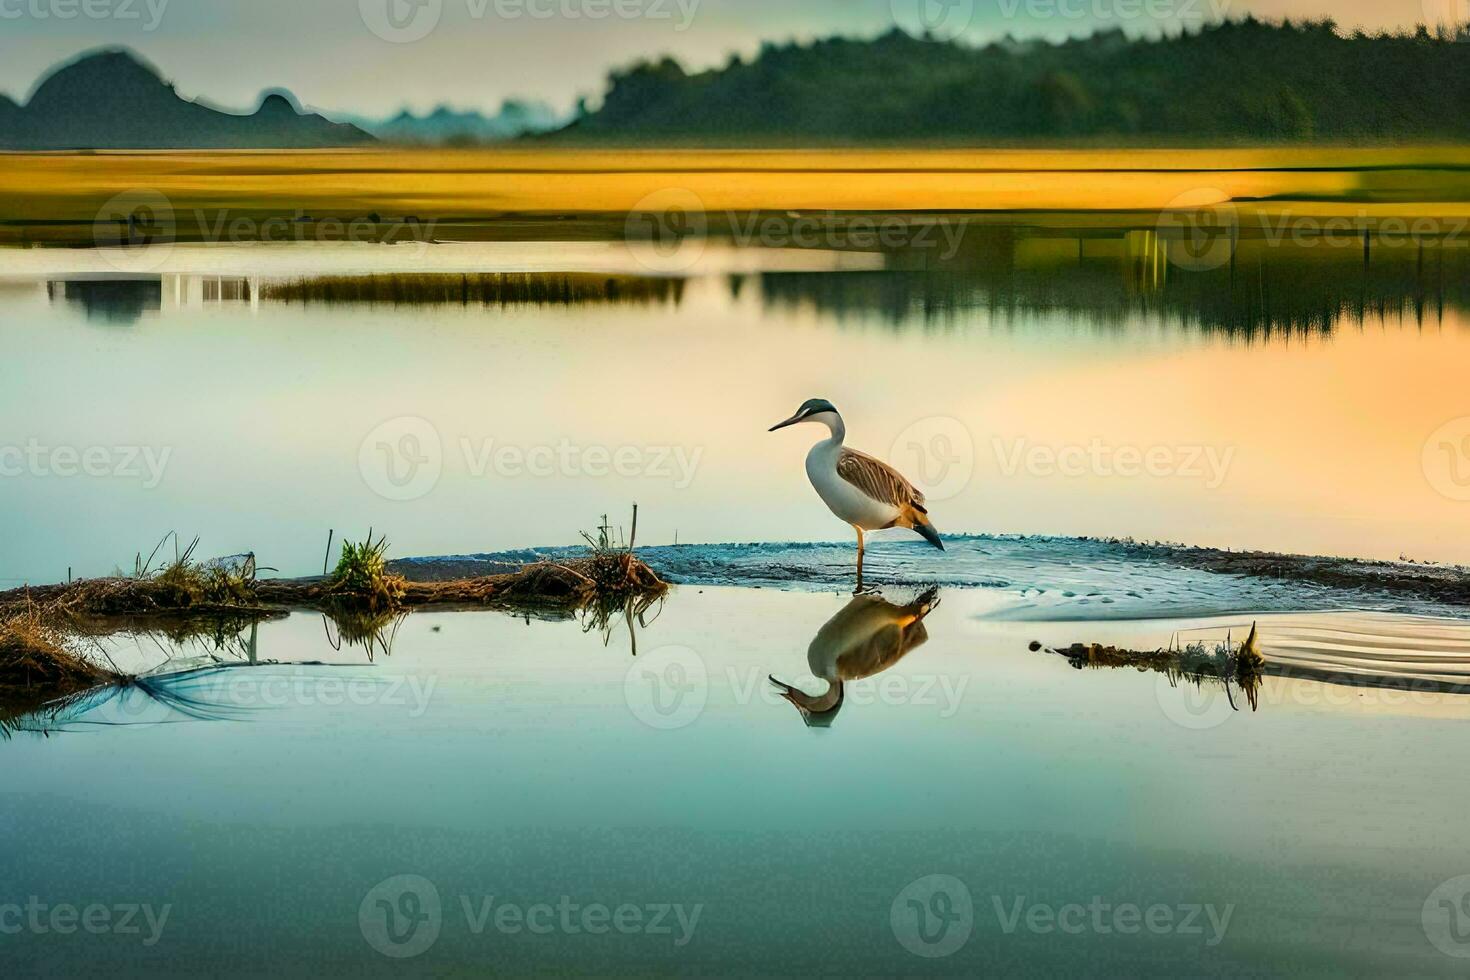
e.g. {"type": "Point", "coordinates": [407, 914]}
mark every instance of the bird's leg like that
{"type": "Point", "coordinates": [860, 560]}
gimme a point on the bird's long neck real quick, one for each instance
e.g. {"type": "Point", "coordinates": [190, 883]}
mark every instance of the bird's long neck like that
{"type": "Point", "coordinates": [822, 703]}
{"type": "Point", "coordinates": [833, 421]}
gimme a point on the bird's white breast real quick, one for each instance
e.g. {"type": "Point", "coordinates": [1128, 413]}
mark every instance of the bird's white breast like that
{"type": "Point", "coordinates": [842, 498]}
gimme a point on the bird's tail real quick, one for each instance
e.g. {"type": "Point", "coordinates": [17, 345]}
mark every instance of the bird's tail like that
{"type": "Point", "coordinates": [929, 534]}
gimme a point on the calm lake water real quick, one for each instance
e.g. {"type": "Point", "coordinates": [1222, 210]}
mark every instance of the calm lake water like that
{"type": "Point", "coordinates": [523, 764]}
{"type": "Point", "coordinates": [473, 398]}
{"type": "Point", "coordinates": [488, 792]}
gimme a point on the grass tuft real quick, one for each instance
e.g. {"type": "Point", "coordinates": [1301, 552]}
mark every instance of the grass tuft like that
{"type": "Point", "coordinates": [361, 581]}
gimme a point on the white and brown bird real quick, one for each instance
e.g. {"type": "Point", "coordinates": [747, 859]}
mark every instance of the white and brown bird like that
{"type": "Point", "coordinates": [865, 492]}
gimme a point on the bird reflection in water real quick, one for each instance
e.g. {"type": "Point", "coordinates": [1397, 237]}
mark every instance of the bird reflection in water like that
{"type": "Point", "coordinates": [865, 638]}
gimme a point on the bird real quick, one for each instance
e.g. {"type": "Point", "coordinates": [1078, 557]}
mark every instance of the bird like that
{"type": "Point", "coordinates": [859, 489]}
{"type": "Point", "coordinates": [865, 638]}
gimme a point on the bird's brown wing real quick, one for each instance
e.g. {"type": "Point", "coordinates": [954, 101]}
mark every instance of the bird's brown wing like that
{"type": "Point", "coordinates": [880, 651]}
{"type": "Point", "coordinates": [879, 480]}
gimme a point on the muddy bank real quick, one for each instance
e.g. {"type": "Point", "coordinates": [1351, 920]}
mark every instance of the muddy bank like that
{"type": "Point", "coordinates": [1449, 584]}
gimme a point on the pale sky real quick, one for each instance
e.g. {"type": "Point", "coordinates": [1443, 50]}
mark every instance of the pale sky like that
{"type": "Point", "coordinates": [474, 53]}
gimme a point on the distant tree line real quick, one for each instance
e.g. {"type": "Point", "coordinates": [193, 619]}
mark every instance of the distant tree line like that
{"type": "Point", "coordinates": [1239, 80]}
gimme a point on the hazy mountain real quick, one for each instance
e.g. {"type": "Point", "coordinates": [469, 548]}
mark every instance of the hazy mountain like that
{"type": "Point", "coordinates": [113, 100]}
{"type": "Point", "coordinates": [1243, 80]}
{"type": "Point", "coordinates": [10, 116]}
{"type": "Point", "coordinates": [446, 127]}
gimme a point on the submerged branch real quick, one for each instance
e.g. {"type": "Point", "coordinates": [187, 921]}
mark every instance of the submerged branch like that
{"type": "Point", "coordinates": [1225, 664]}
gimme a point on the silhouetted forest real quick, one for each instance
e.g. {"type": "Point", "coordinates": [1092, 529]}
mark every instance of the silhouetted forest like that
{"type": "Point", "coordinates": [1243, 80]}
{"type": "Point", "coordinates": [1264, 291]}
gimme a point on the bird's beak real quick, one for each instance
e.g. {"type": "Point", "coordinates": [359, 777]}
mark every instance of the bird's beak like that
{"type": "Point", "coordinates": [818, 712]}
{"type": "Point", "coordinates": [786, 691]}
{"type": "Point", "coordinates": [781, 425]}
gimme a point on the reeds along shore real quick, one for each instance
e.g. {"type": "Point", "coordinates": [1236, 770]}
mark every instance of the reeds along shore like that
{"type": "Point", "coordinates": [43, 630]}
{"type": "Point", "coordinates": [361, 581]}
{"type": "Point", "coordinates": [35, 656]}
